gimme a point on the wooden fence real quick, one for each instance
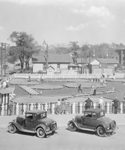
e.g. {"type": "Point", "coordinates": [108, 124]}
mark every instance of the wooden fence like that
{"type": "Point", "coordinates": [66, 76]}
{"type": "Point", "coordinates": [70, 108]}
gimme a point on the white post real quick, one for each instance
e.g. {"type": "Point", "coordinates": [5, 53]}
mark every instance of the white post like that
{"type": "Point", "coordinates": [73, 108]}
{"type": "Point", "coordinates": [108, 108]}
{"type": "Point", "coordinates": [38, 106]}
{"type": "Point", "coordinates": [2, 111]}
{"type": "Point", "coordinates": [121, 108]}
{"type": "Point", "coordinates": [17, 109]}
{"type": "Point", "coordinates": [46, 106]}
{"type": "Point", "coordinates": [94, 105]}
{"type": "Point", "coordinates": [4, 99]}
{"type": "Point", "coordinates": [31, 107]}
{"type": "Point", "coordinates": [80, 108]}
{"type": "Point", "coordinates": [24, 108]}
{"type": "Point", "coordinates": [53, 108]}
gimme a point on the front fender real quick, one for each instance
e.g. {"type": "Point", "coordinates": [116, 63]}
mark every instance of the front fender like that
{"type": "Point", "coordinates": [103, 125]}
{"type": "Point", "coordinates": [72, 121]}
{"type": "Point", "coordinates": [41, 126]}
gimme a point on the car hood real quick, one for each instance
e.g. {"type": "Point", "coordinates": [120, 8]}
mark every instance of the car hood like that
{"type": "Point", "coordinates": [105, 119]}
{"type": "Point", "coordinates": [47, 121]}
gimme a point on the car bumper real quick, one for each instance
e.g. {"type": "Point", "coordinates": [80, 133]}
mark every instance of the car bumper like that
{"type": "Point", "coordinates": [110, 130]}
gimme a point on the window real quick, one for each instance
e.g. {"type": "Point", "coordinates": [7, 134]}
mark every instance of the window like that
{"type": "Point", "coordinates": [101, 114]}
{"type": "Point", "coordinates": [29, 116]}
{"type": "Point", "coordinates": [93, 115]}
{"type": "Point", "coordinates": [43, 115]}
{"type": "Point", "coordinates": [88, 114]}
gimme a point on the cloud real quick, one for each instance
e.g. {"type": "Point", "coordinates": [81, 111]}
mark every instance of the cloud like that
{"type": "Point", "coordinates": [124, 21]}
{"type": "Point", "coordinates": [45, 2]}
{"type": "Point", "coordinates": [1, 28]}
{"type": "Point", "coordinates": [94, 11]}
{"type": "Point", "coordinates": [77, 28]}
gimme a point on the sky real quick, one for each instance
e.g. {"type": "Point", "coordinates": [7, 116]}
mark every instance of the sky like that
{"type": "Point", "coordinates": [62, 21]}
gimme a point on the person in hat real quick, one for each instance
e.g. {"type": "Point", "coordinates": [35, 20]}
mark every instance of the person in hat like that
{"type": "Point", "coordinates": [116, 104]}
{"type": "Point", "coordinates": [88, 103]}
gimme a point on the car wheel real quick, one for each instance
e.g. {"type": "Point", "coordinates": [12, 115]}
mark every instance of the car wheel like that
{"type": "Point", "coordinates": [71, 126]}
{"type": "Point", "coordinates": [40, 133]}
{"type": "Point", "coordinates": [12, 129]}
{"type": "Point", "coordinates": [101, 131]}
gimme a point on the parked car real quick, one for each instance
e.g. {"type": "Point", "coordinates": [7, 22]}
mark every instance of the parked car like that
{"type": "Point", "coordinates": [93, 120]}
{"type": "Point", "coordinates": [34, 121]}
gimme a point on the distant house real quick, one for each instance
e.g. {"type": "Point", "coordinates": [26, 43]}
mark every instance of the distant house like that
{"type": "Point", "coordinates": [97, 65]}
{"type": "Point", "coordinates": [56, 61]}
{"type": "Point", "coordinates": [106, 65]}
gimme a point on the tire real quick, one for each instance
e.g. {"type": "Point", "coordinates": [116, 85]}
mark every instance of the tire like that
{"type": "Point", "coordinates": [101, 131]}
{"type": "Point", "coordinates": [71, 126]}
{"type": "Point", "coordinates": [40, 133]}
{"type": "Point", "coordinates": [12, 129]}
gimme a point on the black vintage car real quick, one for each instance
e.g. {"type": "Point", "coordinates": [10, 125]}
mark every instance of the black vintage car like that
{"type": "Point", "coordinates": [93, 120]}
{"type": "Point", "coordinates": [35, 121]}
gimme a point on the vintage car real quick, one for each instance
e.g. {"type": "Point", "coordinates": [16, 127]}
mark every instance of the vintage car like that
{"type": "Point", "coordinates": [35, 121]}
{"type": "Point", "coordinates": [93, 120]}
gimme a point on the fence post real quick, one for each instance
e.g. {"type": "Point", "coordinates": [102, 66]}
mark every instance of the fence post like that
{"type": "Point", "coordinates": [94, 105]}
{"type": "Point", "coordinates": [31, 107]}
{"type": "Point", "coordinates": [39, 106]}
{"type": "Point", "coordinates": [17, 109]}
{"type": "Point", "coordinates": [53, 108]}
{"type": "Point", "coordinates": [24, 108]}
{"type": "Point", "coordinates": [45, 106]}
{"type": "Point", "coordinates": [80, 108]}
{"type": "Point", "coordinates": [2, 111]}
{"type": "Point", "coordinates": [108, 105]}
{"type": "Point", "coordinates": [73, 108]}
{"type": "Point", "coordinates": [121, 108]}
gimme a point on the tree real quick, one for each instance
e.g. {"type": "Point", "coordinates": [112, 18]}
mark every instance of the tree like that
{"type": "Point", "coordinates": [74, 51]}
{"type": "Point", "coordinates": [25, 47]}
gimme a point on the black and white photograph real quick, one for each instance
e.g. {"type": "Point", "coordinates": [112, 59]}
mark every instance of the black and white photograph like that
{"type": "Point", "coordinates": [62, 74]}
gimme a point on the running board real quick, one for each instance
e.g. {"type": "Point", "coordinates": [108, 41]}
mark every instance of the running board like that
{"type": "Point", "coordinates": [84, 128]}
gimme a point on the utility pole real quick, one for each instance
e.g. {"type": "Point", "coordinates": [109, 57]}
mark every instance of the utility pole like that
{"type": "Point", "coordinates": [3, 47]}
{"type": "Point", "coordinates": [46, 53]}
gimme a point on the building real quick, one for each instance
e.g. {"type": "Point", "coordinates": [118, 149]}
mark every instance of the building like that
{"type": "Point", "coordinates": [103, 65]}
{"type": "Point", "coordinates": [58, 62]}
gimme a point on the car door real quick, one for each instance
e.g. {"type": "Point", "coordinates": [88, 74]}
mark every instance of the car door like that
{"type": "Point", "coordinates": [29, 121]}
{"type": "Point", "coordinates": [87, 121]}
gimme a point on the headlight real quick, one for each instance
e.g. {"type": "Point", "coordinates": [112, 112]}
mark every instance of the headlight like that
{"type": "Point", "coordinates": [47, 128]}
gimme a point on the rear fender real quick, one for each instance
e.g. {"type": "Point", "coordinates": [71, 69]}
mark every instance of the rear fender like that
{"type": "Point", "coordinates": [15, 124]}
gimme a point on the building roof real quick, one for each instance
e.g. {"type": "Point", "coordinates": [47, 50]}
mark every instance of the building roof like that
{"type": "Point", "coordinates": [54, 58]}
{"type": "Point", "coordinates": [107, 60]}
{"type": "Point", "coordinates": [101, 60]}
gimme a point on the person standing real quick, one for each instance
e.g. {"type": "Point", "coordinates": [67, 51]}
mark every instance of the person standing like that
{"type": "Point", "coordinates": [116, 104]}
{"type": "Point", "coordinates": [29, 78]}
{"type": "Point", "coordinates": [88, 103]}
{"type": "Point", "coordinates": [79, 88]}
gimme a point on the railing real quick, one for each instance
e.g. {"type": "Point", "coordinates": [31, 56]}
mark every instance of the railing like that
{"type": "Point", "coordinates": [69, 108]}
{"type": "Point", "coordinates": [63, 76]}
